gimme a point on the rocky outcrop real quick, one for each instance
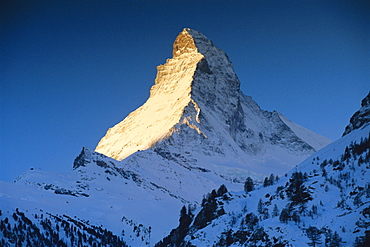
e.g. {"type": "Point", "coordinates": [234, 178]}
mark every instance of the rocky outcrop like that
{"type": "Point", "coordinates": [361, 118]}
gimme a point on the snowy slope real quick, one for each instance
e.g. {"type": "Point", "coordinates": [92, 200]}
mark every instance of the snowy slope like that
{"type": "Point", "coordinates": [99, 193]}
{"type": "Point", "coordinates": [310, 137]}
{"type": "Point", "coordinates": [325, 199]}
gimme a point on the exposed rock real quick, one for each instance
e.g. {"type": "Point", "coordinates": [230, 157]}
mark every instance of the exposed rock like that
{"type": "Point", "coordinates": [361, 118]}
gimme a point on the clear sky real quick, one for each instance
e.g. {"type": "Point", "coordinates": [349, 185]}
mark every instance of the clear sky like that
{"type": "Point", "coordinates": [69, 70]}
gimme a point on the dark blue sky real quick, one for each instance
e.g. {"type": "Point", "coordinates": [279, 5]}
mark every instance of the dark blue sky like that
{"type": "Point", "coordinates": [72, 69]}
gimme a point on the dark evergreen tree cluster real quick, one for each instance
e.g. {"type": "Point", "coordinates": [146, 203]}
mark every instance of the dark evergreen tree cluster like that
{"type": "Point", "coordinates": [271, 180]}
{"type": "Point", "coordinates": [178, 234]}
{"type": "Point", "coordinates": [292, 212]}
{"type": "Point", "coordinates": [211, 209]}
{"type": "Point", "coordinates": [249, 222]}
{"type": "Point", "coordinates": [285, 215]}
{"type": "Point", "coordinates": [299, 195]}
{"type": "Point", "coordinates": [332, 239]}
{"type": "Point", "coordinates": [54, 231]}
{"type": "Point", "coordinates": [296, 191]}
{"type": "Point", "coordinates": [249, 233]}
{"type": "Point", "coordinates": [262, 210]}
{"type": "Point", "coordinates": [275, 211]}
{"type": "Point", "coordinates": [314, 235]}
{"type": "Point", "coordinates": [356, 151]}
{"type": "Point", "coordinates": [363, 241]}
{"type": "Point", "coordinates": [250, 238]}
{"type": "Point", "coordinates": [248, 185]}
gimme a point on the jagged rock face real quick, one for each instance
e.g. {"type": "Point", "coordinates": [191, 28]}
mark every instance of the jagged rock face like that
{"type": "Point", "coordinates": [197, 112]}
{"type": "Point", "coordinates": [154, 120]}
{"type": "Point", "coordinates": [361, 118]}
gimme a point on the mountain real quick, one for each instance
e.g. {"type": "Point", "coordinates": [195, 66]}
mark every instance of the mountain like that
{"type": "Point", "coordinates": [197, 117]}
{"type": "Point", "coordinates": [196, 132]}
{"type": "Point", "coordinates": [324, 201]}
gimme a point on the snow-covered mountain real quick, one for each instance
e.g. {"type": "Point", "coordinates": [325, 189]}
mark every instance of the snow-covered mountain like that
{"type": "Point", "coordinates": [324, 201]}
{"type": "Point", "coordinates": [197, 117]}
{"type": "Point", "coordinates": [196, 132]}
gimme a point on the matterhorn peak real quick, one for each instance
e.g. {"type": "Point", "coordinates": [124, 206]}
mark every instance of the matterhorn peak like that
{"type": "Point", "coordinates": [197, 70]}
{"type": "Point", "coordinates": [196, 116]}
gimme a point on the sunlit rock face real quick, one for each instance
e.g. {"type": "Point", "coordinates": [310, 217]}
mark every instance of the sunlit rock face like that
{"type": "Point", "coordinates": [197, 116]}
{"type": "Point", "coordinates": [169, 96]}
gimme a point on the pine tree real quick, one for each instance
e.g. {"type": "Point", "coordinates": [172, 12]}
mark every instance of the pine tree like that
{"type": "Point", "coordinates": [275, 211]}
{"type": "Point", "coordinates": [326, 188]}
{"type": "Point", "coordinates": [314, 235]}
{"type": "Point", "coordinates": [272, 179]}
{"type": "Point", "coordinates": [222, 190]}
{"type": "Point", "coordinates": [296, 191]}
{"type": "Point", "coordinates": [260, 206]}
{"type": "Point", "coordinates": [251, 221]}
{"type": "Point", "coordinates": [248, 185]}
{"type": "Point", "coordinates": [284, 215]}
{"type": "Point", "coordinates": [335, 240]}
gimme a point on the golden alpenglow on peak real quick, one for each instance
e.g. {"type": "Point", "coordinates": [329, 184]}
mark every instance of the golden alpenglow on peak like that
{"type": "Point", "coordinates": [184, 43]}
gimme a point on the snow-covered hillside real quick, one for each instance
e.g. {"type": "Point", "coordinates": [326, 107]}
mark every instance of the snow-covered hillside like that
{"type": "Point", "coordinates": [98, 193]}
{"type": "Point", "coordinates": [324, 201]}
